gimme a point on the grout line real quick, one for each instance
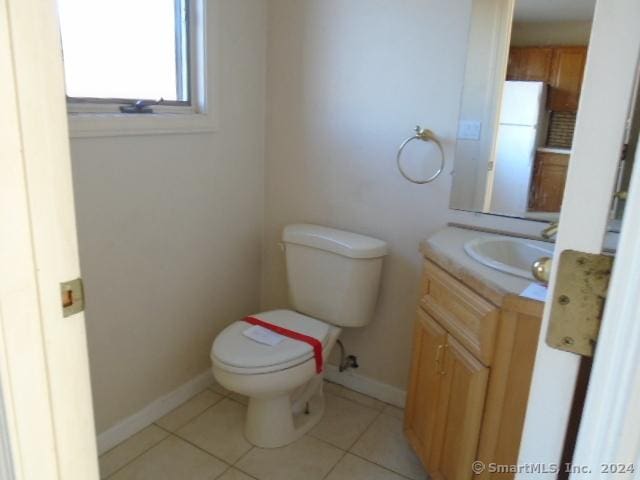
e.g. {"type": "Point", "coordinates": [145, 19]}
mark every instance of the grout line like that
{"type": "Point", "coordinates": [222, 474]}
{"type": "Point", "coordinates": [322, 441]}
{"type": "Point", "coordinates": [168, 432]}
{"type": "Point", "coordinates": [375, 419]}
{"type": "Point", "coordinates": [137, 456]}
{"type": "Point", "coordinates": [344, 454]}
{"type": "Point", "coordinates": [201, 449]}
{"type": "Point", "coordinates": [382, 466]}
{"type": "Point", "coordinates": [223, 395]}
{"type": "Point", "coordinates": [190, 419]}
{"type": "Point", "coordinates": [244, 473]}
{"type": "Point", "coordinates": [253, 447]}
{"type": "Point", "coordinates": [350, 450]}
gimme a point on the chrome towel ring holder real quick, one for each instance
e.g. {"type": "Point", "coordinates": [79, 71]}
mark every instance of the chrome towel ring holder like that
{"type": "Point", "coordinates": [426, 136]}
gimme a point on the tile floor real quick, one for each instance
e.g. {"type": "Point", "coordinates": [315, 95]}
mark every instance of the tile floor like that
{"type": "Point", "coordinates": [359, 438]}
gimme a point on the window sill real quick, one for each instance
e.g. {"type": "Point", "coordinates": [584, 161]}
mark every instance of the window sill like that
{"type": "Point", "coordinates": [88, 125]}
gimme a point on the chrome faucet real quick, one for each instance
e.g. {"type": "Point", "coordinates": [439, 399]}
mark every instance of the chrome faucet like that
{"type": "Point", "coordinates": [551, 231]}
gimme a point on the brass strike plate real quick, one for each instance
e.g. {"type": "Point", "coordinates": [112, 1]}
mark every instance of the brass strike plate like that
{"type": "Point", "coordinates": [72, 296]}
{"type": "Point", "coordinates": [578, 301]}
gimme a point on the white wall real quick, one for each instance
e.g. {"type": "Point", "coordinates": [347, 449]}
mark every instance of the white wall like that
{"type": "Point", "coordinates": [534, 34]}
{"type": "Point", "coordinates": [170, 230]}
{"type": "Point", "coordinates": [347, 82]}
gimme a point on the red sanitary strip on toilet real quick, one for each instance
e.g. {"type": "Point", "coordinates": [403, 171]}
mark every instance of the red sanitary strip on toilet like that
{"type": "Point", "coordinates": [314, 342]}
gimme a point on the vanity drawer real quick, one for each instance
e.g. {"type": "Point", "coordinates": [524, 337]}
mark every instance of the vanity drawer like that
{"type": "Point", "coordinates": [471, 319]}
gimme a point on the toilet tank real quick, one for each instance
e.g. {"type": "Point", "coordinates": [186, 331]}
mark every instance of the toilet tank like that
{"type": "Point", "coordinates": [333, 275]}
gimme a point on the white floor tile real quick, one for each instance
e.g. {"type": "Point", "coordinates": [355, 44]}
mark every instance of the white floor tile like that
{"type": "Point", "coordinates": [219, 430]}
{"type": "Point", "coordinates": [384, 443]}
{"type": "Point", "coordinates": [188, 410]}
{"type": "Point", "coordinates": [354, 468]}
{"type": "Point", "coordinates": [305, 459]}
{"type": "Point", "coordinates": [233, 474]}
{"type": "Point", "coordinates": [343, 421]}
{"type": "Point", "coordinates": [134, 446]}
{"type": "Point", "coordinates": [394, 411]}
{"type": "Point", "coordinates": [172, 459]}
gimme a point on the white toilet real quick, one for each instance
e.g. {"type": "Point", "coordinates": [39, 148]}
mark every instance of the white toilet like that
{"type": "Point", "coordinates": [333, 282]}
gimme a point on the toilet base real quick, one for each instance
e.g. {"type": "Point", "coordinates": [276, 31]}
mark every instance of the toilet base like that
{"type": "Point", "coordinates": [280, 420]}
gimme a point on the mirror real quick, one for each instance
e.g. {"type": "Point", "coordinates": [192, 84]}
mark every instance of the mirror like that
{"type": "Point", "coordinates": [524, 70]}
{"type": "Point", "coordinates": [625, 170]}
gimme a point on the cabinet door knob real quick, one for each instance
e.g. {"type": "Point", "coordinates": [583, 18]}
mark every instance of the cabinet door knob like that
{"type": "Point", "coordinates": [439, 363]}
{"type": "Point", "coordinates": [439, 357]}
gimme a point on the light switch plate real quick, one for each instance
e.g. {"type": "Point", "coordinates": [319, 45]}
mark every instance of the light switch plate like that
{"type": "Point", "coordinates": [469, 130]}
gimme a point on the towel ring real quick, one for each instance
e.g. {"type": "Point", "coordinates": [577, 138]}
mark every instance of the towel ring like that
{"type": "Point", "coordinates": [426, 136]}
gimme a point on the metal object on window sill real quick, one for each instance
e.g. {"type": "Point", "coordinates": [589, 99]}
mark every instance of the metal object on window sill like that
{"type": "Point", "coordinates": [621, 195]}
{"type": "Point", "coordinates": [141, 106]}
{"type": "Point", "coordinates": [551, 231]}
{"type": "Point", "coordinates": [426, 136]}
{"type": "Point", "coordinates": [541, 270]}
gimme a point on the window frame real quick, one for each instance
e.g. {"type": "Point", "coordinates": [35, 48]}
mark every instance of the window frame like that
{"type": "Point", "coordinates": [97, 117]}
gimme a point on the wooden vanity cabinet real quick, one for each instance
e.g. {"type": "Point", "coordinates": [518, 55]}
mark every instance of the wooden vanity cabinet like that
{"type": "Point", "coordinates": [471, 369]}
{"type": "Point", "coordinates": [447, 395]}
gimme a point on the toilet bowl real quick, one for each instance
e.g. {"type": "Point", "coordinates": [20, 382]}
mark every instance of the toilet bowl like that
{"type": "Point", "coordinates": [333, 278]}
{"type": "Point", "coordinates": [284, 390]}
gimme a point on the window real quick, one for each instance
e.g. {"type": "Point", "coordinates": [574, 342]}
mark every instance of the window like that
{"type": "Point", "coordinates": [134, 57]}
{"type": "Point", "coordinates": [123, 51]}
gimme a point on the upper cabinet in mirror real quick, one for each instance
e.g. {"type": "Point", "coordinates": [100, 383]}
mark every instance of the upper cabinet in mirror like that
{"type": "Point", "coordinates": [525, 63]}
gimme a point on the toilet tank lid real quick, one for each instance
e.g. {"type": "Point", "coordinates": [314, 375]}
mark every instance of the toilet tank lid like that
{"type": "Point", "coordinates": [348, 244]}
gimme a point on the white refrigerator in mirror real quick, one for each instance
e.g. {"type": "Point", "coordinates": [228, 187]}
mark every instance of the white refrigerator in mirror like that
{"type": "Point", "coordinates": [521, 130]}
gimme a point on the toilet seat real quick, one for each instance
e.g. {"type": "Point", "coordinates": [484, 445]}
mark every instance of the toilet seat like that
{"type": "Point", "coordinates": [233, 352]}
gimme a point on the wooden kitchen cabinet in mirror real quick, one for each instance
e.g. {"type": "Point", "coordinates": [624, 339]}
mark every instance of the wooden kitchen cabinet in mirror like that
{"type": "Point", "coordinates": [522, 89]}
{"type": "Point", "coordinates": [549, 179]}
{"type": "Point", "coordinates": [565, 82]}
{"type": "Point", "coordinates": [561, 68]}
{"type": "Point", "coordinates": [530, 64]}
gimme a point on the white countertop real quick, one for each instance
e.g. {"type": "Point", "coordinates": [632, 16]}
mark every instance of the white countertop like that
{"type": "Point", "coordinates": [562, 151]}
{"type": "Point", "coordinates": [449, 242]}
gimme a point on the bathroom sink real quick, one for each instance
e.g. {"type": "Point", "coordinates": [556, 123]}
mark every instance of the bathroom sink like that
{"type": "Point", "coordinates": [509, 255]}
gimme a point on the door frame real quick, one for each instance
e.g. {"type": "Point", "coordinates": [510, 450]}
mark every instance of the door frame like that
{"type": "Point", "coordinates": [610, 429]}
{"type": "Point", "coordinates": [44, 366]}
{"type": "Point", "coordinates": [607, 91]}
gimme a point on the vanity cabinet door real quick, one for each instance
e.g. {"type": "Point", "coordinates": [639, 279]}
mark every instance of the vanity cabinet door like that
{"type": "Point", "coordinates": [429, 342]}
{"type": "Point", "coordinates": [459, 414]}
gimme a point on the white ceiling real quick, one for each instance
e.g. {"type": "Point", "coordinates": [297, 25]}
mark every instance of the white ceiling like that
{"type": "Point", "coordinates": [554, 10]}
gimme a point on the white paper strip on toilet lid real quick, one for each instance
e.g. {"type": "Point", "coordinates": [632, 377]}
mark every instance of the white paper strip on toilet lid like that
{"type": "Point", "coordinates": [232, 348]}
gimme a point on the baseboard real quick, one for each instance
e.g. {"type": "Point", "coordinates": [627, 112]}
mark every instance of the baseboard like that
{"type": "Point", "coordinates": [366, 385]}
{"type": "Point", "coordinates": [152, 412]}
